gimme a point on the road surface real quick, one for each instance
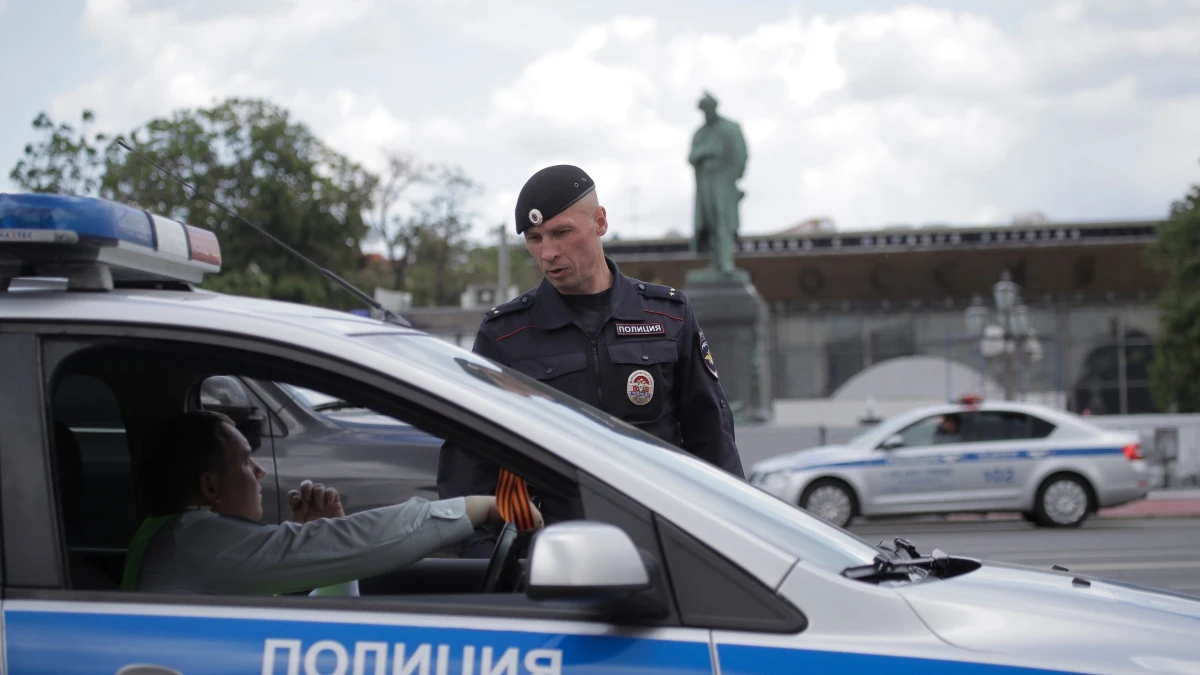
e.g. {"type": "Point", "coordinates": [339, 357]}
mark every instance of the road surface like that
{"type": "Point", "coordinates": [1160, 552]}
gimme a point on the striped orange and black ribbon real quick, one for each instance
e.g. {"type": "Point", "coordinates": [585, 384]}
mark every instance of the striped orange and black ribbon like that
{"type": "Point", "coordinates": [512, 500]}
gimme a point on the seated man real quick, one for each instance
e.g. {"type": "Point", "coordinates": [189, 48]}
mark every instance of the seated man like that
{"type": "Point", "coordinates": [948, 430]}
{"type": "Point", "coordinates": [201, 488]}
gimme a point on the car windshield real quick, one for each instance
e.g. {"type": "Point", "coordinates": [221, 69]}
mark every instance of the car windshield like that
{"type": "Point", "coordinates": [765, 516]}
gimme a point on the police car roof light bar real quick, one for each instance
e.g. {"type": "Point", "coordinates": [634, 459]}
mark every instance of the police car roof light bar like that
{"type": "Point", "coordinates": [385, 313]}
{"type": "Point", "coordinates": [92, 241]}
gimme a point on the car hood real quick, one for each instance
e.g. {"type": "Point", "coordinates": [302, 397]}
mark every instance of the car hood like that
{"type": "Point", "coordinates": [802, 459]}
{"type": "Point", "coordinates": [1011, 609]}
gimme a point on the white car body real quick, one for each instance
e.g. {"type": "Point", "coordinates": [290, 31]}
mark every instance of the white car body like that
{"type": "Point", "coordinates": [977, 473]}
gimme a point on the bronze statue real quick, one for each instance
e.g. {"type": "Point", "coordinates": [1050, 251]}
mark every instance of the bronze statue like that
{"type": "Point", "coordinates": [719, 157]}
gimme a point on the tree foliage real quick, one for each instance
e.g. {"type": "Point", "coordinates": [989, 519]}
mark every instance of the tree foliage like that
{"type": "Point", "coordinates": [255, 158]}
{"type": "Point", "coordinates": [1175, 371]}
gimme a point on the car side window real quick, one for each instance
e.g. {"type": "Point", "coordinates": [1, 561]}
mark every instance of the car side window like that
{"type": "Point", "coordinates": [921, 433]}
{"type": "Point", "coordinates": [1001, 425]}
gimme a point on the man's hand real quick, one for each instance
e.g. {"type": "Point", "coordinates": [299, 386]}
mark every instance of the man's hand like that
{"type": "Point", "coordinates": [314, 502]}
{"type": "Point", "coordinates": [482, 511]}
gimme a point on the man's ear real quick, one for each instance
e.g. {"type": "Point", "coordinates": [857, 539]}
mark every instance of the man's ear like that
{"type": "Point", "coordinates": [601, 221]}
{"type": "Point", "coordinates": [210, 488]}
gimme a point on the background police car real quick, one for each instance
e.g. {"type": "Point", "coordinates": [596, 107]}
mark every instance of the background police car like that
{"type": "Point", "coordinates": [678, 566]}
{"type": "Point", "coordinates": [1051, 465]}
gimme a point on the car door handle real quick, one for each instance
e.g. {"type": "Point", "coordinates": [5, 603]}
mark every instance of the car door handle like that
{"type": "Point", "coordinates": [146, 669]}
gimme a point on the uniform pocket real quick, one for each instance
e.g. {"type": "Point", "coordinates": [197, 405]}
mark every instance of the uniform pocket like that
{"type": "Point", "coordinates": [550, 367]}
{"type": "Point", "coordinates": [643, 352]}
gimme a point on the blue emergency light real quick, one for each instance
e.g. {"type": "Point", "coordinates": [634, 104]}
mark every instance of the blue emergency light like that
{"type": "Point", "coordinates": [95, 241]}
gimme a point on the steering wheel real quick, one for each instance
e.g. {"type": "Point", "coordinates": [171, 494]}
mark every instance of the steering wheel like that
{"type": "Point", "coordinates": [504, 559]}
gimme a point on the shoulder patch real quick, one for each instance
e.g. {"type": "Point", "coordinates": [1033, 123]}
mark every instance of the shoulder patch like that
{"type": "Point", "coordinates": [660, 292]}
{"type": "Point", "coordinates": [517, 304]}
{"type": "Point", "coordinates": [707, 357]}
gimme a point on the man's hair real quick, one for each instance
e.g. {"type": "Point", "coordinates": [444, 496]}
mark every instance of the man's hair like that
{"type": "Point", "coordinates": [176, 453]}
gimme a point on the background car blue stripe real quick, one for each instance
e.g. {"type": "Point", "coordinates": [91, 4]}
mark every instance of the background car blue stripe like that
{"type": "Point", "coordinates": [998, 456]}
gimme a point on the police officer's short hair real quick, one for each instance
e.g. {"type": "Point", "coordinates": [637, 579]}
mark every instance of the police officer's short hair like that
{"type": "Point", "coordinates": [176, 453]}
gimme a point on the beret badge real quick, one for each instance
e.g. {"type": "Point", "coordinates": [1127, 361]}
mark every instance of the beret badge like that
{"type": "Point", "coordinates": [535, 216]}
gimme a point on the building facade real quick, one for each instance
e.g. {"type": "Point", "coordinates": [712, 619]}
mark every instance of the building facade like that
{"type": "Point", "coordinates": [846, 304]}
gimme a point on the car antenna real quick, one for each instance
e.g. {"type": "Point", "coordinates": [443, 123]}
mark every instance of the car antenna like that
{"type": "Point", "coordinates": [387, 314]}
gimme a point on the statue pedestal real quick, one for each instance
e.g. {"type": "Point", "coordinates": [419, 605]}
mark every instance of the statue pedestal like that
{"type": "Point", "coordinates": [734, 318]}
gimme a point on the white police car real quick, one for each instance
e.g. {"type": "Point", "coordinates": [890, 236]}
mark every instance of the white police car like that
{"type": "Point", "coordinates": [670, 565]}
{"type": "Point", "coordinates": [1051, 465]}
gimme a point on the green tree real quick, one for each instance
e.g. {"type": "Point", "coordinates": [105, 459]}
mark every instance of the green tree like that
{"type": "Point", "coordinates": [64, 161]}
{"type": "Point", "coordinates": [439, 243]}
{"type": "Point", "coordinates": [396, 232]}
{"type": "Point", "coordinates": [251, 156]}
{"type": "Point", "coordinates": [1175, 371]}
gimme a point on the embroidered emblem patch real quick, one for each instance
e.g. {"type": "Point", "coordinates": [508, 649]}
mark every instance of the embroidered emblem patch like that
{"type": "Point", "coordinates": [640, 387]}
{"type": "Point", "coordinates": [706, 354]}
{"type": "Point", "coordinates": [636, 329]}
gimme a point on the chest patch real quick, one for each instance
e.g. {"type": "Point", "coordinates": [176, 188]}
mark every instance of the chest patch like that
{"type": "Point", "coordinates": [640, 329]}
{"type": "Point", "coordinates": [640, 387]}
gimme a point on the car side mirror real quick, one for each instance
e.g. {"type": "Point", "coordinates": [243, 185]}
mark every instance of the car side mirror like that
{"type": "Point", "coordinates": [592, 562]}
{"type": "Point", "coordinates": [893, 441]}
{"type": "Point", "coordinates": [225, 394]}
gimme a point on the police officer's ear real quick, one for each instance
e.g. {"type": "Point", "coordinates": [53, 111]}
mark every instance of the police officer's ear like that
{"type": "Point", "coordinates": [601, 218]}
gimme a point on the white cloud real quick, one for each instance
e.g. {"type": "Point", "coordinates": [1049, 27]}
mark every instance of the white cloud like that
{"type": "Point", "coordinates": [909, 114]}
{"type": "Point", "coordinates": [913, 114]}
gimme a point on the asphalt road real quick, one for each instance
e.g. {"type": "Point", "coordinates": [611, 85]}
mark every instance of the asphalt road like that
{"type": "Point", "coordinates": [1159, 552]}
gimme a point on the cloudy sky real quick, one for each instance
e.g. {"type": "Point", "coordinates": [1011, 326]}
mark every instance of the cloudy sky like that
{"type": "Point", "coordinates": [866, 112]}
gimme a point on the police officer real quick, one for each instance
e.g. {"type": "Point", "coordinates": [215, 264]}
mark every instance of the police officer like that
{"type": "Point", "coordinates": [631, 348]}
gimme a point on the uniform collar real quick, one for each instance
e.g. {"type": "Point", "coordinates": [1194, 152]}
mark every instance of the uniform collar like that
{"type": "Point", "coordinates": [551, 311]}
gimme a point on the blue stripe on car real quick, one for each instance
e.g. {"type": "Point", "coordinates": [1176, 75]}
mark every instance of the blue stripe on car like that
{"type": "Point", "coordinates": [968, 457]}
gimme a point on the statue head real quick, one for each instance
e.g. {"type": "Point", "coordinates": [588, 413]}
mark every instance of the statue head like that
{"type": "Point", "coordinates": [709, 105]}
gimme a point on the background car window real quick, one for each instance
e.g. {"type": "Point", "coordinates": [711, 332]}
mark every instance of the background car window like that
{"type": "Point", "coordinates": [308, 397]}
{"type": "Point", "coordinates": [999, 425]}
{"type": "Point", "coordinates": [92, 448]}
{"type": "Point", "coordinates": [921, 433]}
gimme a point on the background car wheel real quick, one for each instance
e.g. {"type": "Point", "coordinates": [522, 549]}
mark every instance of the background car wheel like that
{"type": "Point", "coordinates": [1063, 500]}
{"type": "Point", "coordinates": [830, 500]}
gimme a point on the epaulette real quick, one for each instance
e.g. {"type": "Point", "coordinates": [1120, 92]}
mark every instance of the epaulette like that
{"type": "Point", "coordinates": [521, 302]}
{"type": "Point", "coordinates": [660, 292]}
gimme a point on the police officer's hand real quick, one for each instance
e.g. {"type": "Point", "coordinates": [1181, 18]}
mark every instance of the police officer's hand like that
{"type": "Point", "coordinates": [314, 502]}
{"type": "Point", "coordinates": [481, 509]}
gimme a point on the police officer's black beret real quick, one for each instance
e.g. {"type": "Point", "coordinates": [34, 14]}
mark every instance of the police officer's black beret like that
{"type": "Point", "coordinates": [549, 192]}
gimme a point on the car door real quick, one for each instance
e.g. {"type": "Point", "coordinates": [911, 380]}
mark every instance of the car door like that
{"type": "Point", "coordinates": [922, 472]}
{"type": "Point", "coordinates": [1001, 457]}
{"type": "Point", "coordinates": [51, 626]}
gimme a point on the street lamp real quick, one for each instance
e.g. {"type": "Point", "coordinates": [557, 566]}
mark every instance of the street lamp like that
{"type": "Point", "coordinates": [1007, 334]}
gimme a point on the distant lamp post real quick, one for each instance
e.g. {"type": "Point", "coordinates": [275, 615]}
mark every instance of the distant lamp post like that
{"type": "Point", "coordinates": [1004, 333]}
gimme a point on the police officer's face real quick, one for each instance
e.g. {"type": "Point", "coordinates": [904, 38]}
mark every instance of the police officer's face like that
{"type": "Point", "coordinates": [567, 248]}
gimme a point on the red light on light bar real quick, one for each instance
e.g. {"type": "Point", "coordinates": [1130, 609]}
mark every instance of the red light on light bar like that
{"type": "Point", "coordinates": [204, 246]}
{"type": "Point", "coordinates": [1133, 451]}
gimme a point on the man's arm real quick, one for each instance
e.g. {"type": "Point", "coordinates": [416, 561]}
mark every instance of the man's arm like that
{"type": "Point", "coordinates": [227, 555]}
{"type": "Point", "coordinates": [705, 420]}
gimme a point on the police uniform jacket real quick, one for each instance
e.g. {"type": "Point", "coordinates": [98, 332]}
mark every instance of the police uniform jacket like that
{"type": "Point", "coordinates": [649, 365]}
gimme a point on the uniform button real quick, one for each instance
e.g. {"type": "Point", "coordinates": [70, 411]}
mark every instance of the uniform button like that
{"type": "Point", "coordinates": [524, 299]}
{"type": "Point", "coordinates": [645, 358]}
{"type": "Point", "coordinates": [641, 287]}
{"type": "Point", "coordinates": [549, 370]}
{"type": "Point", "coordinates": [722, 403]}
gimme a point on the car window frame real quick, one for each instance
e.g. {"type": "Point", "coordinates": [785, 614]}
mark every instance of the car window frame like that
{"type": "Point", "coordinates": [52, 582]}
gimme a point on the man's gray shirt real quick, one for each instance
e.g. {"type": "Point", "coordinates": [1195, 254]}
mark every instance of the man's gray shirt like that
{"type": "Point", "coordinates": [208, 553]}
